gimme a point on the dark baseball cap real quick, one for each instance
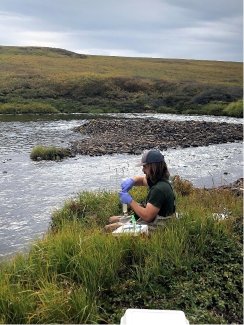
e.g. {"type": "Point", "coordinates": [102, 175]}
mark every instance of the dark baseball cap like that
{"type": "Point", "coordinates": [151, 156]}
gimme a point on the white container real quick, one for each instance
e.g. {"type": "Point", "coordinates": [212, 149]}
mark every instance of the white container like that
{"type": "Point", "coordinates": [130, 229]}
{"type": "Point", "coordinates": [153, 317]}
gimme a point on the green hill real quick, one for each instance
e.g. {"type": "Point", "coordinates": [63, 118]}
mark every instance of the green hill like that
{"type": "Point", "coordinates": [43, 80]}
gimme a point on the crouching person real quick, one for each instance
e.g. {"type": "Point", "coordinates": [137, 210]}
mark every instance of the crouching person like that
{"type": "Point", "coordinates": [160, 201]}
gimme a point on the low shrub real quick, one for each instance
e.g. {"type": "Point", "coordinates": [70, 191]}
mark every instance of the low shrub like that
{"type": "Point", "coordinates": [27, 108]}
{"type": "Point", "coordinates": [133, 85]}
{"type": "Point", "coordinates": [214, 108]}
{"type": "Point", "coordinates": [234, 109]}
{"type": "Point", "coordinates": [166, 110]}
{"type": "Point", "coordinates": [182, 186]}
{"type": "Point", "coordinates": [214, 94]}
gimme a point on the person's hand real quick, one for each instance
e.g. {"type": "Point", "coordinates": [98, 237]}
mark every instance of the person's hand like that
{"type": "Point", "coordinates": [127, 184]}
{"type": "Point", "coordinates": [125, 197]}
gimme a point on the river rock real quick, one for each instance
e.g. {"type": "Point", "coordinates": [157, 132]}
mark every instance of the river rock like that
{"type": "Point", "coordinates": [236, 187]}
{"type": "Point", "coordinates": [132, 136]}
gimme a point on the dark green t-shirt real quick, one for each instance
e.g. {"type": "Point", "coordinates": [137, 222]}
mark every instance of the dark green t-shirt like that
{"type": "Point", "coordinates": [162, 196]}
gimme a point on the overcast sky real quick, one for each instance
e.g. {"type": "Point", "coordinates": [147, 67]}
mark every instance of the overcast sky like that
{"type": "Point", "coordinates": [187, 29]}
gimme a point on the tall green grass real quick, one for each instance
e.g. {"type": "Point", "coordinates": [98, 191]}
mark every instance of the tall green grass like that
{"type": "Point", "coordinates": [79, 274]}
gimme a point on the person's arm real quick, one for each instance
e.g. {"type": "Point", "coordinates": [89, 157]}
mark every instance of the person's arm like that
{"type": "Point", "coordinates": [140, 180]}
{"type": "Point", "coordinates": [148, 213]}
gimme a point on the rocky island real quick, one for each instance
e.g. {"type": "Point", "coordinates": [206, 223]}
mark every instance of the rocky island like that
{"type": "Point", "coordinates": [132, 136]}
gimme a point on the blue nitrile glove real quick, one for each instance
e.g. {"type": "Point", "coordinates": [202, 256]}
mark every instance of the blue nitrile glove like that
{"type": "Point", "coordinates": [127, 184]}
{"type": "Point", "coordinates": [125, 197]}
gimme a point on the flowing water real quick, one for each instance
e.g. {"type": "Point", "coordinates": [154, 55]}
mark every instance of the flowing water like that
{"type": "Point", "coordinates": [30, 190]}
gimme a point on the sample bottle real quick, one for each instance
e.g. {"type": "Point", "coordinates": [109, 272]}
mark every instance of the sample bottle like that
{"type": "Point", "coordinates": [125, 209]}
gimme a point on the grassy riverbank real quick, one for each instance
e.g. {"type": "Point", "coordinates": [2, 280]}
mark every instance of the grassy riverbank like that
{"type": "Point", "coordinates": [47, 80]}
{"type": "Point", "coordinates": [79, 274]}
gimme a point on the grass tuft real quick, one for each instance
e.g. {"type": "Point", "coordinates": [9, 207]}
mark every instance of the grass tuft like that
{"type": "Point", "coordinates": [49, 153]}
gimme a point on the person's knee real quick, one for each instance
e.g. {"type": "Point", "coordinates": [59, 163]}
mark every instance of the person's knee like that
{"type": "Point", "coordinates": [112, 226]}
{"type": "Point", "coordinates": [114, 219]}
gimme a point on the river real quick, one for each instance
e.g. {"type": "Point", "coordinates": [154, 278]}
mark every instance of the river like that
{"type": "Point", "coordinates": [30, 190]}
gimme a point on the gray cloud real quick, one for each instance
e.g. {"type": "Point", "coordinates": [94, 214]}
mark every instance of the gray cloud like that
{"type": "Point", "coordinates": [194, 29]}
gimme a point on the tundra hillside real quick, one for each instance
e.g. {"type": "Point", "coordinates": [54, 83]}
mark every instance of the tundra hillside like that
{"type": "Point", "coordinates": [48, 80]}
